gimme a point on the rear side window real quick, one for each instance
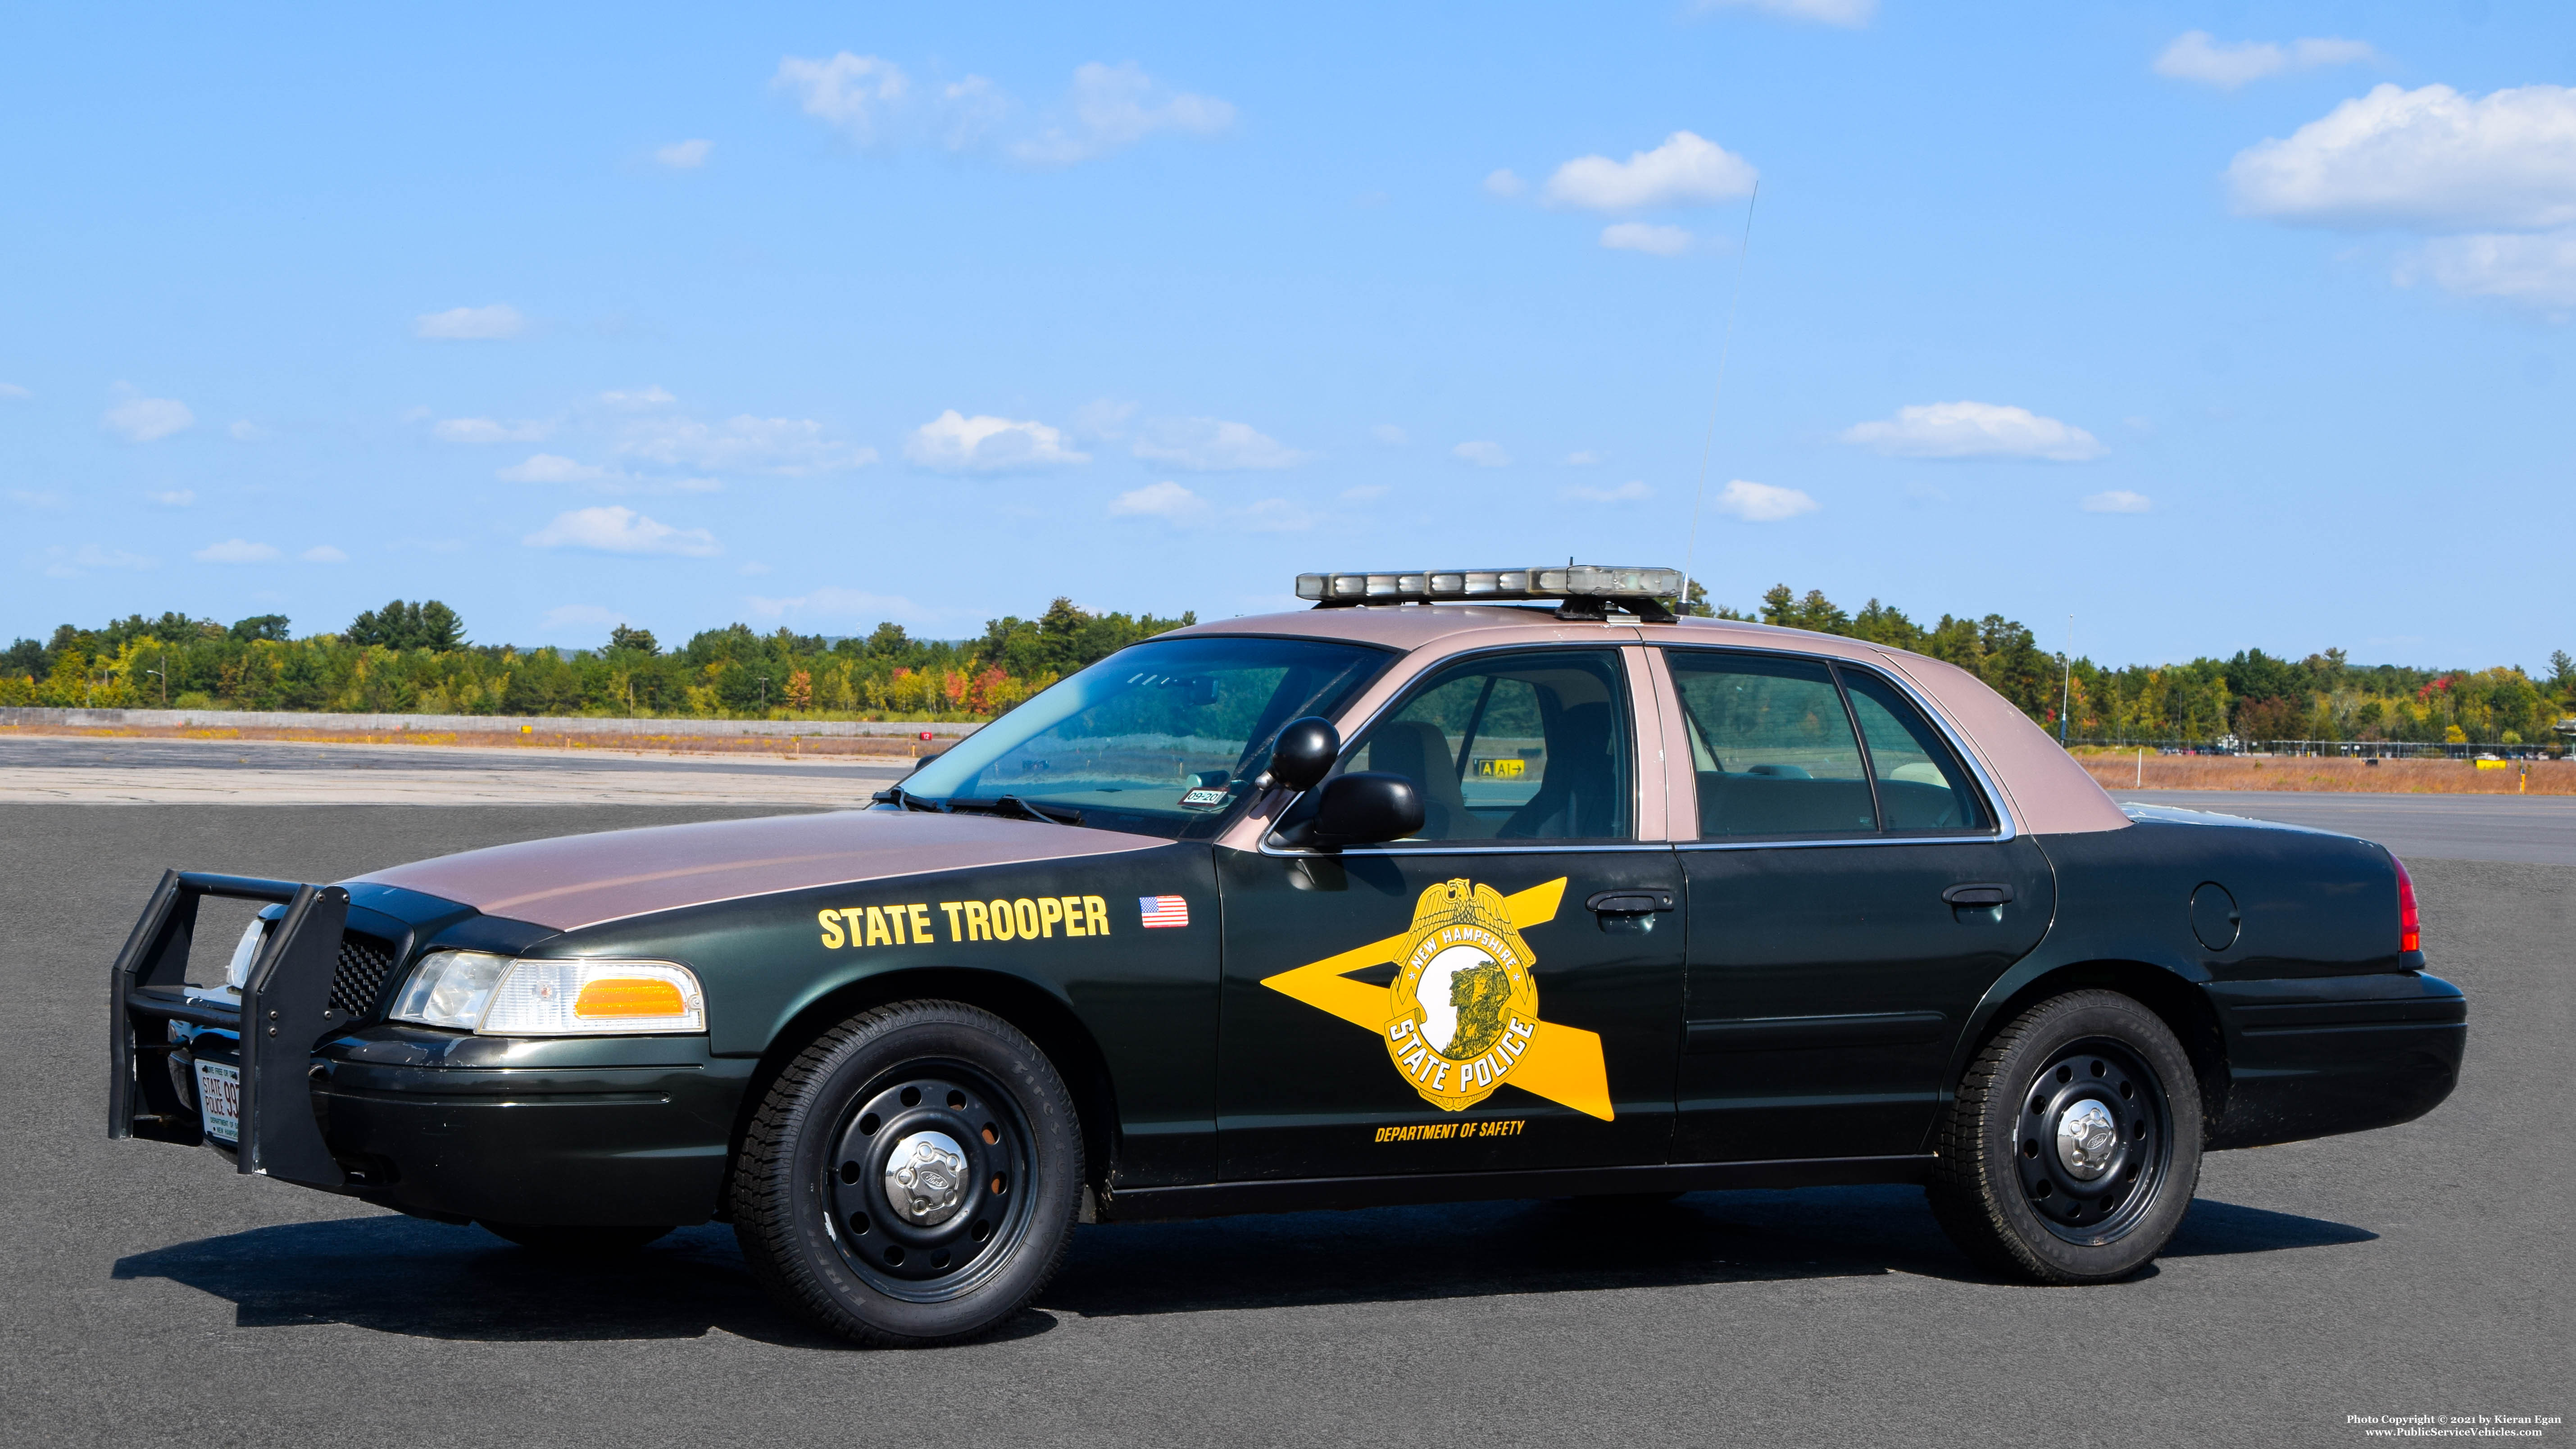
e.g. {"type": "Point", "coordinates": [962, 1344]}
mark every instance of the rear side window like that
{"type": "Point", "coordinates": [1785, 747]}
{"type": "Point", "coordinates": [1920, 783]}
{"type": "Point", "coordinates": [1772, 747]}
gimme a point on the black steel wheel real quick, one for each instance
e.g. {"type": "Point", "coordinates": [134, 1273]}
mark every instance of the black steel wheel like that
{"type": "Point", "coordinates": [912, 1176]}
{"type": "Point", "coordinates": [2072, 1149]}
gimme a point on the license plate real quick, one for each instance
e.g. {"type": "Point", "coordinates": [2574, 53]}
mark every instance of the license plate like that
{"type": "Point", "coordinates": [219, 1099]}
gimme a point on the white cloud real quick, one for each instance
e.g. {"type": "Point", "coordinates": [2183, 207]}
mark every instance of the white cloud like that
{"type": "Point", "coordinates": [621, 530]}
{"type": "Point", "coordinates": [1212, 445]}
{"type": "Point", "coordinates": [2118, 500]}
{"type": "Point", "coordinates": [323, 553]}
{"type": "Point", "coordinates": [1159, 500]}
{"type": "Point", "coordinates": [1504, 183]}
{"type": "Point", "coordinates": [642, 399]}
{"type": "Point", "coordinates": [953, 443]}
{"type": "Point", "coordinates": [1364, 493]}
{"type": "Point", "coordinates": [246, 431]}
{"type": "Point", "coordinates": [236, 551]}
{"type": "Point", "coordinates": [1273, 515]}
{"type": "Point", "coordinates": [1850, 14]}
{"type": "Point", "coordinates": [834, 602]}
{"type": "Point", "coordinates": [1684, 171]}
{"type": "Point", "coordinates": [1483, 454]}
{"type": "Point", "coordinates": [684, 155]}
{"type": "Point", "coordinates": [2536, 271]}
{"type": "Point", "coordinates": [1391, 435]}
{"type": "Point", "coordinates": [490, 430]}
{"type": "Point", "coordinates": [1113, 107]}
{"type": "Point", "coordinates": [1103, 418]}
{"type": "Point", "coordinates": [143, 419]}
{"type": "Point", "coordinates": [790, 447]}
{"type": "Point", "coordinates": [552, 468]}
{"type": "Point", "coordinates": [14, 391]}
{"type": "Point", "coordinates": [853, 94]}
{"type": "Point", "coordinates": [46, 501]}
{"type": "Point", "coordinates": [2429, 158]}
{"type": "Point", "coordinates": [71, 563]}
{"type": "Point", "coordinates": [1583, 458]}
{"type": "Point", "coordinates": [1763, 503]}
{"type": "Point", "coordinates": [470, 324]}
{"type": "Point", "coordinates": [174, 497]}
{"type": "Point", "coordinates": [2196, 55]}
{"type": "Point", "coordinates": [1634, 491]}
{"type": "Point", "coordinates": [1640, 236]}
{"type": "Point", "coordinates": [571, 616]}
{"type": "Point", "coordinates": [1975, 430]}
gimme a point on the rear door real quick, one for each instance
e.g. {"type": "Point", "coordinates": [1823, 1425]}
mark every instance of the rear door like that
{"type": "Point", "coordinates": [1852, 893]}
{"type": "Point", "coordinates": [1500, 991]}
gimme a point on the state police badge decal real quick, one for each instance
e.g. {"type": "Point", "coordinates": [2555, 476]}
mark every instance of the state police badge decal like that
{"type": "Point", "coordinates": [1465, 1002]}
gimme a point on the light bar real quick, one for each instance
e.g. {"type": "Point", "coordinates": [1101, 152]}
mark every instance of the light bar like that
{"type": "Point", "coordinates": [1571, 581]}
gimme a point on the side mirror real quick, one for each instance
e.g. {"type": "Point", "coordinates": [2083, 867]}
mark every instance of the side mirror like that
{"type": "Point", "coordinates": [1365, 808]}
{"type": "Point", "coordinates": [1304, 752]}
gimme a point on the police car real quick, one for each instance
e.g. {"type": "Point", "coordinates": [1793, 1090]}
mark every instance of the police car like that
{"type": "Point", "coordinates": [1431, 892]}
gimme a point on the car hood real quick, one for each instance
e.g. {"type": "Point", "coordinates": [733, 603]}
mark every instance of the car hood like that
{"type": "Point", "coordinates": [582, 880]}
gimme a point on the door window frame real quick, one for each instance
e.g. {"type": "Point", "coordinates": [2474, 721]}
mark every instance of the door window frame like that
{"type": "Point", "coordinates": [1645, 741]}
{"type": "Point", "coordinates": [1683, 777]}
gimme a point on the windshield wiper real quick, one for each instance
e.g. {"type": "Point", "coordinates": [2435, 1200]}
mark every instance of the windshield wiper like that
{"type": "Point", "coordinates": [897, 795]}
{"type": "Point", "coordinates": [1052, 816]}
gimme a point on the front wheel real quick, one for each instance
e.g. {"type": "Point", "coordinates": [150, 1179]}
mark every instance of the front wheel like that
{"type": "Point", "coordinates": [2073, 1147]}
{"type": "Point", "coordinates": [912, 1177]}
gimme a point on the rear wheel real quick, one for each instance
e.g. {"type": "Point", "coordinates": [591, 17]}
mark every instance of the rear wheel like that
{"type": "Point", "coordinates": [912, 1177]}
{"type": "Point", "coordinates": [2073, 1147]}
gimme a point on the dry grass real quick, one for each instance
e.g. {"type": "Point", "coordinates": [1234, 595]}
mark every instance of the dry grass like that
{"type": "Point", "coordinates": [2119, 772]}
{"type": "Point", "coordinates": [877, 747]}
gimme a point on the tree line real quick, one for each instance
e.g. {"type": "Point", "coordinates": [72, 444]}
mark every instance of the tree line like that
{"type": "Point", "coordinates": [414, 658]}
{"type": "Point", "coordinates": [2253, 695]}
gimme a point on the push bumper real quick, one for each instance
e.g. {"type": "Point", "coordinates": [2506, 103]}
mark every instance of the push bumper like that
{"type": "Point", "coordinates": [2318, 1056]}
{"type": "Point", "coordinates": [574, 1130]}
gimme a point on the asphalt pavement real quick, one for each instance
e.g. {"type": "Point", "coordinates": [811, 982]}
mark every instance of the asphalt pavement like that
{"type": "Point", "coordinates": [2530, 829]}
{"type": "Point", "coordinates": [153, 1296]}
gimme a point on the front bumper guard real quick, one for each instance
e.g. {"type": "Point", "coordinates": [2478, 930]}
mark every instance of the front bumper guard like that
{"type": "Point", "coordinates": [285, 1013]}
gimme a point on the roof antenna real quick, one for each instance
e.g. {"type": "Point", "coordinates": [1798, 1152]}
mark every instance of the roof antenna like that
{"type": "Point", "coordinates": [1699, 497]}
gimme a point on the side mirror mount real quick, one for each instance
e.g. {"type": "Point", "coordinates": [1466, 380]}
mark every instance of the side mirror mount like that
{"type": "Point", "coordinates": [1304, 752]}
{"type": "Point", "coordinates": [1366, 807]}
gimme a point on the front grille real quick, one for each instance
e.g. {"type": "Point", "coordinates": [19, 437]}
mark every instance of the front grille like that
{"type": "Point", "coordinates": [360, 977]}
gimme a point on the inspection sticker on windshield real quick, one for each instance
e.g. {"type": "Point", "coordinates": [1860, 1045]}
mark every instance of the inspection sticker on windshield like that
{"type": "Point", "coordinates": [219, 1097]}
{"type": "Point", "coordinates": [1203, 799]}
{"type": "Point", "coordinates": [1160, 911]}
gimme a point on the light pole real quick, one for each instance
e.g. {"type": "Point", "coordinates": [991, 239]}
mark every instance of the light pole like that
{"type": "Point", "coordinates": [165, 682]}
{"type": "Point", "coordinates": [2066, 681]}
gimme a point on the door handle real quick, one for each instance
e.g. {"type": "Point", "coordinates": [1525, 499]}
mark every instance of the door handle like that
{"type": "Point", "coordinates": [1993, 893]}
{"type": "Point", "coordinates": [1629, 902]}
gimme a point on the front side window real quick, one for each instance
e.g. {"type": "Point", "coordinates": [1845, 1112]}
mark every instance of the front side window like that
{"type": "Point", "coordinates": [1160, 739]}
{"type": "Point", "coordinates": [1513, 748]}
{"type": "Point", "coordinates": [1787, 747]}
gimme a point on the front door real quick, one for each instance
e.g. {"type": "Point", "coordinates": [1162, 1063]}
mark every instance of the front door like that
{"type": "Point", "coordinates": [1851, 898]}
{"type": "Point", "coordinates": [1500, 991]}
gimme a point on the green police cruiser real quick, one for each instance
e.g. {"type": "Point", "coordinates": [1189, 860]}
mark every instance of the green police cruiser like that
{"type": "Point", "coordinates": [1467, 883]}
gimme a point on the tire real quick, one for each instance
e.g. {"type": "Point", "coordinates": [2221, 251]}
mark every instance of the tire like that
{"type": "Point", "coordinates": [2021, 1184]}
{"type": "Point", "coordinates": [572, 1242]}
{"type": "Point", "coordinates": [911, 1178]}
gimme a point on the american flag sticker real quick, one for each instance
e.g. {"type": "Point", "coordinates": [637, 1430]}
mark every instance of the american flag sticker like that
{"type": "Point", "coordinates": [1161, 911]}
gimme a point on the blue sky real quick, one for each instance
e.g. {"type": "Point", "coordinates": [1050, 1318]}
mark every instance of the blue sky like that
{"type": "Point", "coordinates": [2213, 326]}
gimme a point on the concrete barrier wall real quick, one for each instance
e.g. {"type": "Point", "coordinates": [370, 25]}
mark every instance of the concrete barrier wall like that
{"type": "Point", "coordinates": [443, 723]}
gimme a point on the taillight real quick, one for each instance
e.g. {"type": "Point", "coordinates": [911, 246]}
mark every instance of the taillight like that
{"type": "Point", "coordinates": [2410, 926]}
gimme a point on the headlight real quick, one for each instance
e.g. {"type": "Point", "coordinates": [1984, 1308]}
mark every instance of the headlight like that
{"type": "Point", "coordinates": [496, 996]}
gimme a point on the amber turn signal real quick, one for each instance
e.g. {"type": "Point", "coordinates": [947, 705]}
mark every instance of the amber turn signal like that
{"type": "Point", "coordinates": [628, 996]}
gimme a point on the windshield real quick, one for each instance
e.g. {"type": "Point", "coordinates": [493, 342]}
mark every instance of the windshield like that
{"type": "Point", "coordinates": [1161, 738]}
